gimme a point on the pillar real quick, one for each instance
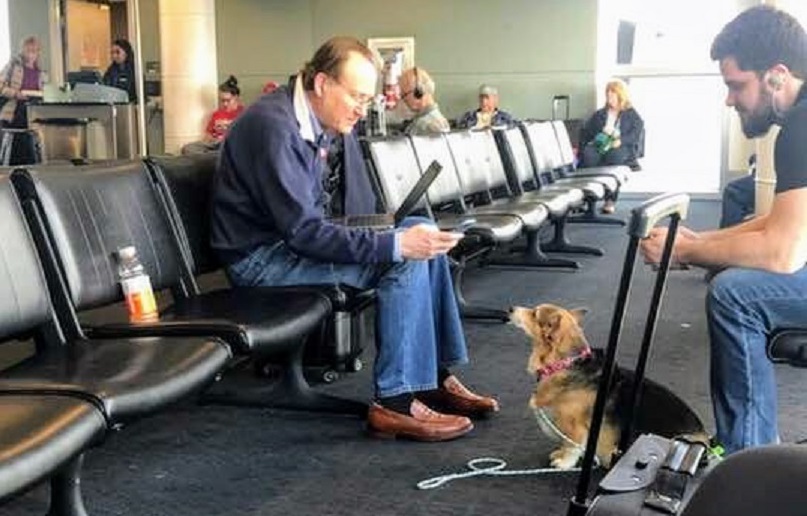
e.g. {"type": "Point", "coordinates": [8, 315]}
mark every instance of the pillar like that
{"type": "Point", "coordinates": [188, 68]}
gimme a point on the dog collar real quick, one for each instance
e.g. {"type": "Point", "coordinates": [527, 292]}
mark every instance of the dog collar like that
{"type": "Point", "coordinates": [562, 364]}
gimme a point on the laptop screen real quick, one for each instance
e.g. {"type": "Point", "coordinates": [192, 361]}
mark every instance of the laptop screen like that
{"type": "Point", "coordinates": [417, 191]}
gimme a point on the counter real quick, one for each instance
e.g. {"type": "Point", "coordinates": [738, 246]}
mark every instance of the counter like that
{"type": "Point", "coordinates": [70, 130]}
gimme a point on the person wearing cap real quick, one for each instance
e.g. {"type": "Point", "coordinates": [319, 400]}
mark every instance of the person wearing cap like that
{"type": "Point", "coordinates": [488, 113]}
{"type": "Point", "coordinates": [417, 92]}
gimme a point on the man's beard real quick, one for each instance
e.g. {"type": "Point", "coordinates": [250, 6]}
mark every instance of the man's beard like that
{"type": "Point", "coordinates": [758, 122]}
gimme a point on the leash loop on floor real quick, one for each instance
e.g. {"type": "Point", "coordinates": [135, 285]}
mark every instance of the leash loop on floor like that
{"type": "Point", "coordinates": [490, 466]}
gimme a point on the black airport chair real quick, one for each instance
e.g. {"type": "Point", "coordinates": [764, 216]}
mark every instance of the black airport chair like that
{"type": "Point", "coordinates": [84, 214]}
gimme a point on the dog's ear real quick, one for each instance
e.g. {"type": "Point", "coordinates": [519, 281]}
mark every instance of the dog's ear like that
{"type": "Point", "coordinates": [579, 314]}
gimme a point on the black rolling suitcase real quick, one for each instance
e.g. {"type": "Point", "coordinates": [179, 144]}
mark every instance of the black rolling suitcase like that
{"type": "Point", "coordinates": [562, 103]}
{"type": "Point", "coordinates": [654, 475]}
{"type": "Point", "coordinates": [350, 329]}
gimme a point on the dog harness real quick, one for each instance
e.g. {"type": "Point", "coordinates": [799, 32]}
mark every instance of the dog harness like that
{"type": "Point", "coordinates": [563, 364]}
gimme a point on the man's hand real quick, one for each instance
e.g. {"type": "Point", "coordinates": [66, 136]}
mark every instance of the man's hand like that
{"type": "Point", "coordinates": [653, 246]}
{"type": "Point", "coordinates": [424, 241]}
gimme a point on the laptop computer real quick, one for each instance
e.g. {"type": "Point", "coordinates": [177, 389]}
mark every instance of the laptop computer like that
{"type": "Point", "coordinates": [382, 221]}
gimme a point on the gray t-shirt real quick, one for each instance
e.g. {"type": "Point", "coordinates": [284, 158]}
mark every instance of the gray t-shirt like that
{"type": "Point", "coordinates": [428, 121]}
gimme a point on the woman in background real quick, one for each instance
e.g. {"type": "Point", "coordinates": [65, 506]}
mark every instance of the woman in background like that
{"type": "Point", "coordinates": [20, 80]}
{"type": "Point", "coordinates": [614, 133]}
{"type": "Point", "coordinates": [121, 73]}
{"type": "Point", "coordinates": [229, 108]}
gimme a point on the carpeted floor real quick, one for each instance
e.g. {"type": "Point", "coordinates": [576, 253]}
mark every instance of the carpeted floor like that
{"type": "Point", "coordinates": [213, 460]}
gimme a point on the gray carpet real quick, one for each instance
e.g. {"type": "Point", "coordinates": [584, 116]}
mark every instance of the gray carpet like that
{"type": "Point", "coordinates": [213, 460]}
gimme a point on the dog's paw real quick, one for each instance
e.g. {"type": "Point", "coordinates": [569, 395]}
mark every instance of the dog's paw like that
{"type": "Point", "coordinates": [565, 458]}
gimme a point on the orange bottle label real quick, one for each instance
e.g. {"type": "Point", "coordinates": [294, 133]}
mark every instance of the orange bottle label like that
{"type": "Point", "coordinates": [142, 306]}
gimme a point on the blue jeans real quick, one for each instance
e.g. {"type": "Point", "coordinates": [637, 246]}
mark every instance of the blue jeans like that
{"type": "Point", "coordinates": [743, 307]}
{"type": "Point", "coordinates": [418, 326]}
{"type": "Point", "coordinates": [618, 156]}
{"type": "Point", "coordinates": [738, 201]}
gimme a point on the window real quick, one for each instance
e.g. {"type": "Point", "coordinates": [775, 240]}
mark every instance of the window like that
{"type": "Point", "coordinates": [665, 35]}
{"type": "Point", "coordinates": [661, 49]}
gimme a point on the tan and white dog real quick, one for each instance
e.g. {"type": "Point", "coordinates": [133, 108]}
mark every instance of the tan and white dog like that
{"type": "Point", "coordinates": [568, 372]}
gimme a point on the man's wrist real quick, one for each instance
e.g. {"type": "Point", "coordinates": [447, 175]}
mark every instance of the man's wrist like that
{"type": "Point", "coordinates": [681, 252]}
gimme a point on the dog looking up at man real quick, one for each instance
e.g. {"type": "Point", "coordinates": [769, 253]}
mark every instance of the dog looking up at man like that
{"type": "Point", "coordinates": [567, 374]}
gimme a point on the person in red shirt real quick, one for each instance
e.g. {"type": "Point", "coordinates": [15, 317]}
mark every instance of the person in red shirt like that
{"type": "Point", "coordinates": [229, 108]}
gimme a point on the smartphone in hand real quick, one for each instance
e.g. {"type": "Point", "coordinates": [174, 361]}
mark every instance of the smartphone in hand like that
{"type": "Point", "coordinates": [464, 226]}
{"type": "Point", "coordinates": [459, 230]}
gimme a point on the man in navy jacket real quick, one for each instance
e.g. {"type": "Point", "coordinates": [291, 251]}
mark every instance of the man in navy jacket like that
{"type": "Point", "coordinates": [275, 186]}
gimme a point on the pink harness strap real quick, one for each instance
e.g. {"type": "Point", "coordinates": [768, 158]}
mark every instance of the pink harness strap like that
{"type": "Point", "coordinates": [563, 364]}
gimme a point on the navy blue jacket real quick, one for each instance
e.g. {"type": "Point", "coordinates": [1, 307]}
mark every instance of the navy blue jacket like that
{"type": "Point", "coordinates": [468, 120]}
{"type": "Point", "coordinates": [268, 187]}
{"type": "Point", "coordinates": [121, 77]}
{"type": "Point", "coordinates": [631, 130]}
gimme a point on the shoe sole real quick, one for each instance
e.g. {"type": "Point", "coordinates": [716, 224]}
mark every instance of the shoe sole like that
{"type": "Point", "coordinates": [380, 434]}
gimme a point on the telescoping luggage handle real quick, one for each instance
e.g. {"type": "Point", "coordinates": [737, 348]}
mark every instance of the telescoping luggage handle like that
{"type": "Point", "coordinates": [557, 100]}
{"type": "Point", "coordinates": [643, 218]}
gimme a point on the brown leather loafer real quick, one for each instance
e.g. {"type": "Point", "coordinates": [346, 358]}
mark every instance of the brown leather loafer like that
{"type": "Point", "coordinates": [424, 424]}
{"type": "Point", "coordinates": [455, 398]}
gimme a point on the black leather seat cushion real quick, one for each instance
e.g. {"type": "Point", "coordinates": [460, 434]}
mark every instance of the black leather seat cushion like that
{"type": "Point", "coordinates": [532, 214]}
{"type": "Point", "coordinates": [126, 378]}
{"type": "Point", "coordinates": [38, 434]}
{"type": "Point", "coordinates": [491, 228]}
{"type": "Point", "coordinates": [592, 187]}
{"type": "Point", "coordinates": [269, 320]}
{"type": "Point", "coordinates": [263, 321]}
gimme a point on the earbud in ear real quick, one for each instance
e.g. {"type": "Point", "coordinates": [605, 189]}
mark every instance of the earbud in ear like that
{"type": "Point", "coordinates": [776, 80]}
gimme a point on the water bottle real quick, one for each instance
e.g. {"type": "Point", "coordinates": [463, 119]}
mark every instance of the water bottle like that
{"type": "Point", "coordinates": [380, 122]}
{"type": "Point", "coordinates": [136, 286]}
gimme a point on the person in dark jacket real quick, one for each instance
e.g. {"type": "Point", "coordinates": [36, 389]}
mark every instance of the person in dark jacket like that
{"type": "Point", "coordinates": [613, 135]}
{"type": "Point", "coordinates": [121, 73]}
{"type": "Point", "coordinates": [288, 163]}
{"type": "Point", "coordinates": [488, 113]}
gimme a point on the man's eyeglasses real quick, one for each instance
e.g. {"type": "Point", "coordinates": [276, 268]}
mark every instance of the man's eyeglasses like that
{"type": "Point", "coordinates": [361, 100]}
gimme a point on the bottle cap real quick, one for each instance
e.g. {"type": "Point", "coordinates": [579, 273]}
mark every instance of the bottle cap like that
{"type": "Point", "coordinates": [126, 252]}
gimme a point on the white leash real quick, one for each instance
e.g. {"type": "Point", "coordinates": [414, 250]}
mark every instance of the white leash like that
{"type": "Point", "coordinates": [540, 414]}
{"type": "Point", "coordinates": [490, 466]}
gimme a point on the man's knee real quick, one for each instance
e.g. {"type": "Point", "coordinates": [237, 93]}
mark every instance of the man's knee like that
{"type": "Point", "coordinates": [726, 287]}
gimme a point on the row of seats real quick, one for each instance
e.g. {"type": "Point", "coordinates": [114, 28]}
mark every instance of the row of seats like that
{"type": "Point", "coordinates": [85, 379]}
{"type": "Point", "coordinates": [512, 181]}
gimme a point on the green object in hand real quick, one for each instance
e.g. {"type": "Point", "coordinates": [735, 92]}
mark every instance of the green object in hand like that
{"type": "Point", "coordinates": [603, 142]}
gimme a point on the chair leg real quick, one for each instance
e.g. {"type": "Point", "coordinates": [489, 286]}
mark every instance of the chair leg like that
{"type": "Point", "coordinates": [560, 244]}
{"type": "Point", "coordinates": [590, 216]}
{"type": "Point", "coordinates": [533, 257]}
{"type": "Point", "coordinates": [467, 310]}
{"type": "Point", "coordinates": [291, 391]}
{"type": "Point", "coordinates": [65, 490]}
